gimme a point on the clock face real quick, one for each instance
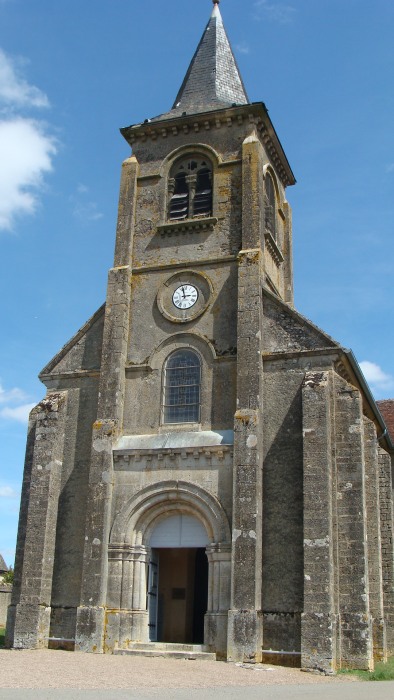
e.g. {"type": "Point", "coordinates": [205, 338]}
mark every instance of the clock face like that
{"type": "Point", "coordinates": [185, 296]}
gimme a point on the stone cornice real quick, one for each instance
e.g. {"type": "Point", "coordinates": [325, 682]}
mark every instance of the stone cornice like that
{"type": "Point", "coordinates": [289, 355]}
{"type": "Point", "coordinates": [77, 374]}
{"type": "Point", "coordinates": [185, 453]}
{"type": "Point", "coordinates": [225, 259]}
{"type": "Point", "coordinates": [255, 113]}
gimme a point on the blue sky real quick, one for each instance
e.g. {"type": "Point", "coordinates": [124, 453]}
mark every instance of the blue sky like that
{"type": "Point", "coordinates": [72, 73]}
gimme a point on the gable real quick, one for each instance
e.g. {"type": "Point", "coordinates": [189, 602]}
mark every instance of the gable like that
{"type": "Point", "coordinates": [82, 352]}
{"type": "Point", "coordinates": [285, 330]}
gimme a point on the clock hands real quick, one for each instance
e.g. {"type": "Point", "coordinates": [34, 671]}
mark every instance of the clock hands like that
{"type": "Point", "coordinates": [185, 296]}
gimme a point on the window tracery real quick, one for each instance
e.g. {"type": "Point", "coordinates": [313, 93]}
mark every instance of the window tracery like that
{"type": "Point", "coordinates": [182, 387]}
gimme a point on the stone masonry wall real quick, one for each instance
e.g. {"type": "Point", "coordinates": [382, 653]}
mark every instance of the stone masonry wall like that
{"type": "Point", "coordinates": [29, 616]}
{"type": "Point", "coordinates": [283, 561]}
{"type": "Point", "coordinates": [353, 579]}
{"type": "Point", "coordinates": [67, 571]}
{"type": "Point", "coordinates": [372, 495]}
{"type": "Point", "coordinates": [387, 539]}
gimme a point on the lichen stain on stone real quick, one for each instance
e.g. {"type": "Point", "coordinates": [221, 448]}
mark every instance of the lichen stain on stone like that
{"type": "Point", "coordinates": [245, 417]}
{"type": "Point", "coordinates": [251, 441]}
{"type": "Point", "coordinates": [51, 465]}
{"type": "Point", "coordinates": [318, 543]}
{"type": "Point", "coordinates": [102, 445]}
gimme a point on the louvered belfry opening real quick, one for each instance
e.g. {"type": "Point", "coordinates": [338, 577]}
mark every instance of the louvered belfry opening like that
{"type": "Point", "coordinates": [270, 206]}
{"type": "Point", "coordinates": [190, 189]}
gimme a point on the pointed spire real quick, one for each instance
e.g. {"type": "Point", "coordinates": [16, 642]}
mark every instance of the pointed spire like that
{"type": "Point", "coordinates": [213, 80]}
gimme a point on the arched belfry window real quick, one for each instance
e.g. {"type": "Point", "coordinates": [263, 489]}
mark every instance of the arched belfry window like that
{"type": "Point", "coordinates": [182, 387]}
{"type": "Point", "coordinates": [270, 206]}
{"type": "Point", "coordinates": [190, 189]}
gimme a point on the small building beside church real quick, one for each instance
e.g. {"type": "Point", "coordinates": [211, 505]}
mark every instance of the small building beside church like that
{"type": "Point", "coordinates": [5, 593]}
{"type": "Point", "coordinates": [207, 467]}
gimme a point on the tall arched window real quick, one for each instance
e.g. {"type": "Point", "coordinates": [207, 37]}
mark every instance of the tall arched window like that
{"type": "Point", "coordinates": [182, 387]}
{"type": "Point", "coordinates": [270, 206]}
{"type": "Point", "coordinates": [190, 189]}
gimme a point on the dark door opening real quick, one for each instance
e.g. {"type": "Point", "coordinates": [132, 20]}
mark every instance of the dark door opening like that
{"type": "Point", "coordinates": [182, 595]}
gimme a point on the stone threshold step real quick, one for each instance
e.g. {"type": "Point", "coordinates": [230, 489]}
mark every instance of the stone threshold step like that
{"type": "Point", "coordinates": [169, 651]}
{"type": "Point", "coordinates": [166, 646]}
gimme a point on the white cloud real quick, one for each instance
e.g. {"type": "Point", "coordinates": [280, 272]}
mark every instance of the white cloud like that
{"type": "Point", "coordinates": [20, 414]}
{"type": "Point", "coordinates": [15, 406]}
{"type": "Point", "coordinates": [275, 11]}
{"type": "Point", "coordinates": [25, 156]}
{"type": "Point", "coordinates": [379, 381]}
{"type": "Point", "coordinates": [12, 395]}
{"type": "Point", "coordinates": [14, 89]}
{"type": "Point", "coordinates": [8, 492]}
{"type": "Point", "coordinates": [26, 147]}
{"type": "Point", "coordinates": [242, 47]}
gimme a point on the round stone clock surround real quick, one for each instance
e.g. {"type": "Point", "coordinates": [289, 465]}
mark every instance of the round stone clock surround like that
{"type": "Point", "coordinates": [165, 296]}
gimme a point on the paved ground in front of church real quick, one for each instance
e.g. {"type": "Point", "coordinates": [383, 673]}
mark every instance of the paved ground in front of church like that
{"type": "Point", "coordinates": [66, 676]}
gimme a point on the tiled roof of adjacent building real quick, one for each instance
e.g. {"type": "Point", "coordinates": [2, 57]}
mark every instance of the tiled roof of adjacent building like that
{"type": "Point", "coordinates": [3, 565]}
{"type": "Point", "coordinates": [213, 80]}
{"type": "Point", "coordinates": [386, 408]}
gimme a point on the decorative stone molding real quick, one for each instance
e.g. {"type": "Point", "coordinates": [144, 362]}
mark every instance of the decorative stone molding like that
{"type": "Point", "coordinates": [141, 513]}
{"type": "Point", "coordinates": [218, 119]}
{"type": "Point", "coordinates": [197, 225]}
{"type": "Point", "coordinates": [273, 249]}
{"type": "Point", "coordinates": [218, 452]}
{"type": "Point", "coordinates": [343, 372]}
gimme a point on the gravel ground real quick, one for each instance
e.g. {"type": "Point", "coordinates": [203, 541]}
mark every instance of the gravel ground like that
{"type": "Point", "coordinates": [58, 669]}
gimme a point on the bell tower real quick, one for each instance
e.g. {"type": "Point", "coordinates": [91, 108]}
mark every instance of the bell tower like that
{"type": "Point", "coordinates": [203, 227]}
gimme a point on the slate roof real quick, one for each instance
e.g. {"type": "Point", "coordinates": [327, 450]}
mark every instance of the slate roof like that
{"type": "Point", "coordinates": [213, 80]}
{"type": "Point", "coordinates": [3, 565]}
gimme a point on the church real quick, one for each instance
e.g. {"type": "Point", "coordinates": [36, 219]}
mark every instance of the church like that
{"type": "Point", "coordinates": [208, 472]}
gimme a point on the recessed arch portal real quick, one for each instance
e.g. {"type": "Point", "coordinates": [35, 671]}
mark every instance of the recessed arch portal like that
{"type": "Point", "coordinates": [135, 566]}
{"type": "Point", "coordinates": [137, 519]}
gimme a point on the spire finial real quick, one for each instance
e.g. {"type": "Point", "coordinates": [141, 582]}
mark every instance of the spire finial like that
{"type": "Point", "coordinates": [216, 2]}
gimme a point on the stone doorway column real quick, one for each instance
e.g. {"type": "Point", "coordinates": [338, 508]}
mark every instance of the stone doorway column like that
{"type": "Point", "coordinates": [127, 614]}
{"type": "Point", "coordinates": [219, 598]}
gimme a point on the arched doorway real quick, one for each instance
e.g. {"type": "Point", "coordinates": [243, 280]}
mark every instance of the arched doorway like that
{"type": "Point", "coordinates": [130, 555]}
{"type": "Point", "coordinates": [178, 580]}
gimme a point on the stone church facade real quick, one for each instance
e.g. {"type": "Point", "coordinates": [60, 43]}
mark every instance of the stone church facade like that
{"type": "Point", "coordinates": [207, 467]}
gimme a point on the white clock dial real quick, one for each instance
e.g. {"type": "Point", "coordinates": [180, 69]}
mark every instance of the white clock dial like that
{"type": "Point", "coordinates": [185, 296]}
